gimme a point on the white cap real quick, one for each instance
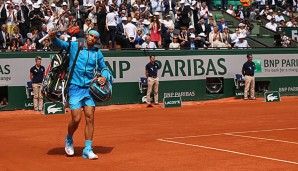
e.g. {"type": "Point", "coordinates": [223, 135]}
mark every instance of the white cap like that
{"type": "Point", "coordinates": [146, 22]}
{"type": "Point", "coordinates": [182, 1]}
{"type": "Point", "coordinates": [192, 36]}
{"type": "Point", "coordinates": [53, 5]}
{"type": "Point", "coordinates": [193, 2]}
{"type": "Point", "coordinates": [202, 34]}
{"type": "Point", "coordinates": [191, 27]}
{"type": "Point", "coordinates": [135, 5]}
{"type": "Point", "coordinates": [241, 24]}
{"type": "Point", "coordinates": [35, 5]}
{"type": "Point", "coordinates": [8, 2]}
{"type": "Point", "coordinates": [156, 13]}
{"type": "Point", "coordinates": [123, 11]}
{"type": "Point", "coordinates": [241, 36]}
{"type": "Point", "coordinates": [270, 10]}
{"type": "Point", "coordinates": [134, 20]}
{"type": "Point", "coordinates": [142, 6]}
{"type": "Point", "coordinates": [64, 4]}
{"type": "Point", "coordinates": [30, 3]}
{"type": "Point", "coordinates": [124, 18]}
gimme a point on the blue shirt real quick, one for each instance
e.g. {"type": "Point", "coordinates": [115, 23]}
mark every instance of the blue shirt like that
{"type": "Point", "coordinates": [89, 62]}
{"type": "Point", "coordinates": [152, 69]}
{"type": "Point", "coordinates": [37, 74]}
{"type": "Point", "coordinates": [248, 68]}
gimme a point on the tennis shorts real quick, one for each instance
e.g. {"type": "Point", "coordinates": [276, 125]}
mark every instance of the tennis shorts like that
{"type": "Point", "coordinates": [79, 97]}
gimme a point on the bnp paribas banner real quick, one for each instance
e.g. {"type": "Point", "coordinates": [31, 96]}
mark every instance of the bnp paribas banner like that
{"type": "Point", "coordinates": [15, 72]}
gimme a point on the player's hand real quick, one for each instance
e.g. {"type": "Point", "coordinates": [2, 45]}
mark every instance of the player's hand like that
{"type": "Point", "coordinates": [52, 34]}
{"type": "Point", "coordinates": [101, 80]}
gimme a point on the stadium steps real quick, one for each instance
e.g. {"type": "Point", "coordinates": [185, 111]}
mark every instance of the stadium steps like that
{"type": "Point", "coordinates": [254, 42]}
{"type": "Point", "coordinates": [265, 31]}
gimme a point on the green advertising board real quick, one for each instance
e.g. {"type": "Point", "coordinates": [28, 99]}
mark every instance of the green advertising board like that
{"type": "Point", "coordinates": [53, 108]}
{"type": "Point", "coordinates": [172, 102]}
{"type": "Point", "coordinates": [272, 96]}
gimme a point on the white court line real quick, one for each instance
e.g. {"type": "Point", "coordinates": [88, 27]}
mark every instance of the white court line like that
{"type": "Point", "coordinates": [208, 135]}
{"type": "Point", "coordinates": [229, 151]}
{"type": "Point", "coordinates": [260, 138]}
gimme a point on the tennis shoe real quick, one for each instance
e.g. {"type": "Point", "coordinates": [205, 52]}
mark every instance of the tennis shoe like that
{"type": "Point", "coordinates": [69, 147]}
{"type": "Point", "coordinates": [88, 154]}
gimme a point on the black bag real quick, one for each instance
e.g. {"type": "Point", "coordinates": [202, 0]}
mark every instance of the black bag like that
{"type": "Point", "coordinates": [55, 83]}
{"type": "Point", "coordinates": [102, 93]}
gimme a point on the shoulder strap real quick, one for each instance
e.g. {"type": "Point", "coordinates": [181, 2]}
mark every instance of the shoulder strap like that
{"type": "Point", "coordinates": [74, 63]}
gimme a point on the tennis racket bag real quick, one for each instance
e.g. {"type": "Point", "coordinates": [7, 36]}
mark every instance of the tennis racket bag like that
{"type": "Point", "coordinates": [54, 85]}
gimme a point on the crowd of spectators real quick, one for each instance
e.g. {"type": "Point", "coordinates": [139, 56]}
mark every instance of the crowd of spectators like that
{"type": "Point", "coordinates": [184, 24]}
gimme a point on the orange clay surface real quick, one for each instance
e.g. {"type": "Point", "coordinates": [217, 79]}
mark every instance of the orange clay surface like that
{"type": "Point", "coordinates": [220, 135]}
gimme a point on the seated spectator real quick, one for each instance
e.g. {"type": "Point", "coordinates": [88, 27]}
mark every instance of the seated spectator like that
{"type": "Point", "coordinates": [222, 24]}
{"type": "Point", "coordinates": [202, 42]}
{"type": "Point", "coordinates": [46, 45]}
{"type": "Point", "coordinates": [243, 29]}
{"type": "Point", "coordinates": [120, 33]}
{"type": "Point", "coordinates": [291, 23]}
{"type": "Point", "coordinates": [183, 39]}
{"type": "Point", "coordinates": [282, 23]}
{"type": "Point", "coordinates": [168, 22]}
{"type": "Point", "coordinates": [240, 12]}
{"type": "Point", "coordinates": [271, 25]}
{"type": "Point", "coordinates": [148, 44]}
{"type": "Point", "coordinates": [169, 37]}
{"type": "Point", "coordinates": [29, 45]}
{"type": "Point", "coordinates": [33, 35]}
{"type": "Point", "coordinates": [146, 27]}
{"type": "Point", "coordinates": [4, 37]}
{"type": "Point", "coordinates": [227, 37]}
{"type": "Point", "coordinates": [241, 43]}
{"type": "Point", "coordinates": [139, 38]}
{"type": "Point", "coordinates": [265, 11]}
{"type": "Point", "coordinates": [270, 15]}
{"type": "Point", "coordinates": [88, 26]}
{"type": "Point", "coordinates": [14, 45]}
{"type": "Point", "coordinates": [279, 16]}
{"type": "Point", "coordinates": [281, 40]}
{"type": "Point", "coordinates": [193, 44]}
{"type": "Point", "coordinates": [201, 26]}
{"type": "Point", "coordinates": [234, 36]}
{"type": "Point", "coordinates": [216, 38]}
{"type": "Point", "coordinates": [16, 34]}
{"type": "Point", "coordinates": [255, 15]}
{"type": "Point", "coordinates": [174, 45]}
{"type": "Point", "coordinates": [231, 10]}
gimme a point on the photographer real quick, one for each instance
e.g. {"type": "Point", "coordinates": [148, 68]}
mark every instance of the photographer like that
{"type": "Point", "coordinates": [36, 17]}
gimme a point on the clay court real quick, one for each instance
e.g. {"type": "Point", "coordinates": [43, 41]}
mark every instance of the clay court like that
{"type": "Point", "coordinates": [219, 135]}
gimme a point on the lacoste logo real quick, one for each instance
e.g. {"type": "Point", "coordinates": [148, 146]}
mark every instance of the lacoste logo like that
{"type": "Point", "coordinates": [53, 109]}
{"type": "Point", "coordinates": [270, 97]}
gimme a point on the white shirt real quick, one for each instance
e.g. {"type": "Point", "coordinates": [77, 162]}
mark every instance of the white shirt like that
{"type": "Point", "coordinates": [279, 18]}
{"type": "Point", "coordinates": [151, 45]}
{"type": "Point", "coordinates": [111, 19]}
{"type": "Point", "coordinates": [289, 24]}
{"type": "Point", "coordinates": [271, 26]}
{"type": "Point", "coordinates": [130, 29]}
{"type": "Point", "coordinates": [244, 44]}
{"type": "Point", "coordinates": [169, 23]}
